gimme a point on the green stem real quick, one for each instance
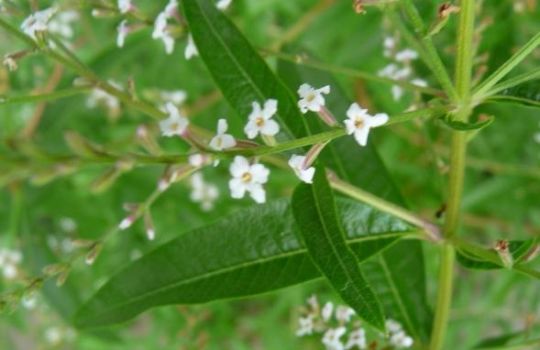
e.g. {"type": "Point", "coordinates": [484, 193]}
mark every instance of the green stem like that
{"type": "Point", "coordinates": [431, 230]}
{"type": "Point", "coordinates": [58, 94]}
{"type": "Point", "coordinates": [463, 76]}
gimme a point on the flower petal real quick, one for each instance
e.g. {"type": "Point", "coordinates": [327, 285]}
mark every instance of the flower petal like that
{"type": "Point", "coordinates": [239, 166]}
{"type": "Point", "coordinates": [270, 128]}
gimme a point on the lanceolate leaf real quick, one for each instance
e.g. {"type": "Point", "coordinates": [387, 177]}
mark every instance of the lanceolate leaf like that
{"type": "Point", "coordinates": [397, 274]}
{"type": "Point", "coordinates": [527, 93]}
{"type": "Point", "coordinates": [521, 251]}
{"type": "Point", "coordinates": [242, 75]}
{"type": "Point", "coordinates": [461, 126]}
{"type": "Point", "coordinates": [315, 213]}
{"type": "Point", "coordinates": [253, 251]}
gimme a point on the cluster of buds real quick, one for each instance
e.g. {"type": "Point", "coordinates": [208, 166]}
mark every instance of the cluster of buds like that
{"type": "Point", "coordinates": [341, 328]}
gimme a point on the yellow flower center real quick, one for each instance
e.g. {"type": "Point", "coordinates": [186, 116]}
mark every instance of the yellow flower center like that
{"type": "Point", "coordinates": [246, 177]}
{"type": "Point", "coordinates": [259, 121]}
{"type": "Point", "coordinates": [310, 97]}
{"type": "Point", "coordinates": [359, 123]}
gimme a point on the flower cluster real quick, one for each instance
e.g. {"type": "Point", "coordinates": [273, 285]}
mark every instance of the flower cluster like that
{"type": "Point", "coordinates": [100, 97]}
{"type": "Point", "coordinates": [9, 261]}
{"type": "Point", "coordinates": [401, 68]}
{"type": "Point", "coordinates": [341, 328]}
{"type": "Point", "coordinates": [248, 177]}
{"type": "Point", "coordinates": [203, 192]}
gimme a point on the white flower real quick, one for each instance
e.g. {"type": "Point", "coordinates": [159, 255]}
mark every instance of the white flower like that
{"type": "Point", "coordinates": [100, 97]}
{"type": "Point", "coordinates": [389, 45]}
{"type": "Point", "coordinates": [29, 301]}
{"type": "Point", "coordinates": [313, 302]}
{"type": "Point", "coordinates": [397, 92]}
{"type": "Point", "coordinates": [61, 23]}
{"type": "Point", "coordinates": [392, 326]}
{"type": "Point", "coordinates": [401, 340]}
{"type": "Point", "coordinates": [203, 192]}
{"type": "Point", "coordinates": [123, 31]}
{"type": "Point", "coordinates": [259, 121]}
{"type": "Point", "coordinates": [9, 259]}
{"type": "Point", "coordinates": [37, 22]}
{"type": "Point", "coordinates": [68, 224]}
{"type": "Point", "coordinates": [175, 124]}
{"type": "Point", "coordinates": [124, 6]}
{"type": "Point", "coordinates": [357, 339]}
{"type": "Point", "coordinates": [359, 122]}
{"type": "Point", "coordinates": [223, 4]}
{"type": "Point", "coordinates": [53, 335]}
{"type": "Point", "coordinates": [331, 338]}
{"type": "Point", "coordinates": [178, 97]}
{"type": "Point", "coordinates": [297, 163]}
{"type": "Point", "coordinates": [248, 178]}
{"type": "Point", "coordinates": [161, 32]}
{"type": "Point", "coordinates": [170, 9]}
{"type": "Point", "coordinates": [344, 313]}
{"type": "Point", "coordinates": [305, 326]}
{"type": "Point", "coordinates": [10, 63]}
{"type": "Point", "coordinates": [222, 140]}
{"type": "Point", "coordinates": [197, 160]}
{"type": "Point", "coordinates": [419, 82]}
{"type": "Point", "coordinates": [406, 55]}
{"type": "Point", "coordinates": [310, 98]}
{"type": "Point", "coordinates": [191, 50]}
{"type": "Point", "coordinates": [326, 312]}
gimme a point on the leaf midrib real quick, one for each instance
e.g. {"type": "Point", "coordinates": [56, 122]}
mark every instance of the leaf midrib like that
{"type": "Point", "coordinates": [248, 264]}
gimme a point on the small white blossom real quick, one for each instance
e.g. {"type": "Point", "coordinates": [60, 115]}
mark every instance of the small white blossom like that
{"type": "Point", "coordinates": [397, 92]}
{"type": "Point", "coordinates": [419, 82]}
{"type": "Point", "coordinates": [53, 335]}
{"type": "Point", "coordinates": [197, 160]}
{"type": "Point", "coordinates": [344, 313]}
{"type": "Point", "coordinates": [313, 302]}
{"type": "Point", "coordinates": [392, 326]}
{"type": "Point", "coordinates": [406, 55]}
{"type": "Point", "coordinates": [175, 124]}
{"type": "Point", "coordinates": [10, 63]}
{"type": "Point", "coordinates": [171, 8]}
{"type": "Point", "coordinates": [222, 140]}
{"type": "Point", "coordinates": [61, 23]}
{"type": "Point", "coordinates": [29, 301]}
{"type": "Point", "coordinates": [389, 45]}
{"type": "Point", "coordinates": [305, 326]}
{"type": "Point", "coordinates": [9, 261]}
{"type": "Point", "coordinates": [191, 50]}
{"type": "Point", "coordinates": [161, 32]}
{"type": "Point", "coordinates": [327, 310]}
{"type": "Point", "coordinates": [331, 338]}
{"type": "Point", "coordinates": [203, 192]}
{"type": "Point", "coordinates": [100, 97]}
{"type": "Point", "coordinates": [359, 122]}
{"type": "Point", "coordinates": [126, 223]}
{"type": "Point", "coordinates": [68, 224]}
{"type": "Point", "coordinates": [311, 99]}
{"type": "Point", "coordinates": [123, 31]}
{"type": "Point", "coordinates": [357, 339]}
{"type": "Point", "coordinates": [37, 22]}
{"type": "Point", "coordinates": [401, 340]}
{"type": "Point", "coordinates": [260, 120]}
{"type": "Point", "coordinates": [124, 6]}
{"type": "Point", "coordinates": [297, 163]}
{"type": "Point", "coordinates": [223, 4]}
{"type": "Point", "coordinates": [178, 97]}
{"type": "Point", "coordinates": [248, 178]}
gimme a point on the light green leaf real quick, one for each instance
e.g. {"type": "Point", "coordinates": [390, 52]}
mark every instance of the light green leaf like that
{"type": "Point", "coordinates": [315, 213]}
{"type": "Point", "coordinates": [253, 251]}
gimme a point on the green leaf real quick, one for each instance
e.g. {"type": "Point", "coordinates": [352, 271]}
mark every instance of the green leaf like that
{"type": "Point", "coordinates": [253, 251]}
{"type": "Point", "coordinates": [527, 94]}
{"type": "Point", "coordinates": [315, 213]}
{"type": "Point", "coordinates": [521, 251]}
{"type": "Point", "coordinates": [241, 74]}
{"type": "Point", "coordinates": [398, 273]}
{"type": "Point", "coordinates": [462, 126]}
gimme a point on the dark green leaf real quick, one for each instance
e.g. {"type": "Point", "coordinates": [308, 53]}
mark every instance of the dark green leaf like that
{"type": "Point", "coordinates": [527, 94]}
{"type": "Point", "coordinates": [241, 74]}
{"type": "Point", "coordinates": [316, 215]}
{"type": "Point", "coordinates": [397, 274]}
{"type": "Point", "coordinates": [462, 126]}
{"type": "Point", "coordinates": [520, 251]}
{"type": "Point", "coordinates": [253, 251]}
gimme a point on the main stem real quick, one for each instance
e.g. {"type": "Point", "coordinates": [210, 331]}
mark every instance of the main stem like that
{"type": "Point", "coordinates": [463, 76]}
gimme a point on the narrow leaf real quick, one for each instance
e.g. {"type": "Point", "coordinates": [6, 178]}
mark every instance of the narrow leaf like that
{"type": "Point", "coordinates": [253, 251]}
{"type": "Point", "coordinates": [527, 94]}
{"type": "Point", "coordinates": [315, 213]}
{"type": "Point", "coordinates": [462, 126]}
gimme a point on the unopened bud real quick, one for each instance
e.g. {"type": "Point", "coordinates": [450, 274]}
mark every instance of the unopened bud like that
{"type": "Point", "coordinates": [502, 247]}
{"type": "Point", "coordinates": [10, 63]}
{"type": "Point", "coordinates": [61, 279]}
{"type": "Point", "coordinates": [126, 222]}
{"type": "Point", "coordinates": [147, 141]}
{"type": "Point", "coordinates": [149, 226]}
{"type": "Point", "coordinates": [447, 9]}
{"type": "Point", "coordinates": [358, 6]}
{"type": "Point", "coordinates": [93, 253]}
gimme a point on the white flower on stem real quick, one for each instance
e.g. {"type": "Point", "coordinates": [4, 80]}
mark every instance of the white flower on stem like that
{"type": "Point", "coordinates": [171, 8]}
{"type": "Point", "coordinates": [203, 192]}
{"type": "Point", "coordinates": [326, 312]}
{"type": "Point", "coordinates": [10, 63]}
{"type": "Point", "coordinates": [359, 122]}
{"type": "Point", "coordinates": [53, 335]}
{"type": "Point", "coordinates": [419, 82]}
{"type": "Point", "coordinates": [191, 50]}
{"type": "Point", "coordinates": [61, 23]}
{"type": "Point", "coordinates": [124, 6]}
{"type": "Point", "coordinates": [331, 338]}
{"type": "Point", "coordinates": [37, 22]}
{"type": "Point", "coordinates": [313, 303]}
{"type": "Point", "coordinates": [197, 160]}
{"type": "Point", "coordinates": [9, 260]}
{"type": "Point", "coordinates": [389, 45]}
{"type": "Point", "coordinates": [178, 97]}
{"type": "Point", "coordinates": [260, 120]}
{"type": "Point", "coordinates": [100, 97]}
{"type": "Point", "coordinates": [392, 326]}
{"type": "Point", "coordinates": [161, 32]}
{"type": "Point", "coordinates": [397, 92]}
{"type": "Point", "coordinates": [249, 178]}
{"type": "Point", "coordinates": [312, 99]}
{"type": "Point", "coordinates": [344, 313]}
{"type": "Point", "coordinates": [223, 4]}
{"type": "Point", "coordinates": [222, 140]}
{"type": "Point", "coordinates": [126, 223]}
{"type": "Point", "coordinates": [406, 55]}
{"type": "Point", "coordinates": [357, 339]}
{"type": "Point", "coordinates": [297, 163]}
{"type": "Point", "coordinates": [175, 124]}
{"type": "Point", "coordinates": [305, 326]}
{"type": "Point", "coordinates": [123, 31]}
{"type": "Point", "coordinates": [401, 340]}
{"type": "Point", "coordinates": [29, 301]}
